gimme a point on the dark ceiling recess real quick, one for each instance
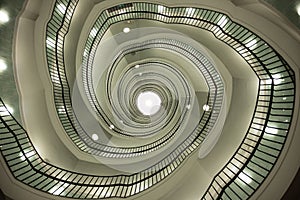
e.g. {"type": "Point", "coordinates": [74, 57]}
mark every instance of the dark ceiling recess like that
{"type": "Point", "coordinates": [293, 191]}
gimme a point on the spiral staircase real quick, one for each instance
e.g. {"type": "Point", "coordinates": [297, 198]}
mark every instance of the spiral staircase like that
{"type": "Point", "coordinates": [150, 100]}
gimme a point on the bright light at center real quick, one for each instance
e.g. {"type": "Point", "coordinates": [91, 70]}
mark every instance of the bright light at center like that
{"type": "Point", "coordinates": [148, 103]}
{"type": "Point", "coordinates": [95, 137]}
{"type": "Point", "coordinates": [298, 9]}
{"type": "Point", "coordinates": [3, 65]}
{"type": "Point", "coordinates": [3, 16]}
{"type": "Point", "coordinates": [206, 107]}
{"type": "Point", "coordinates": [126, 30]}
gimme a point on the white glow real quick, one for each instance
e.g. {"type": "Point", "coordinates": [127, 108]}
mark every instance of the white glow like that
{"type": "Point", "coordinates": [10, 109]}
{"type": "Point", "coordinates": [5, 111]}
{"type": "Point", "coordinates": [252, 44]}
{"type": "Point", "coordinates": [3, 65]}
{"type": "Point", "coordinates": [277, 79]}
{"type": "Point", "coordinates": [111, 126]}
{"type": "Point", "coordinates": [267, 82]}
{"type": "Point", "coordinates": [85, 52]}
{"type": "Point", "coordinates": [61, 109]}
{"type": "Point", "coordinates": [222, 21]}
{"type": "Point", "coordinates": [95, 137]}
{"type": "Point", "coordinates": [188, 106]}
{"type": "Point", "coordinates": [148, 103]}
{"type": "Point", "coordinates": [271, 130]}
{"type": "Point", "coordinates": [284, 98]}
{"type": "Point", "coordinates": [206, 107]}
{"type": "Point", "coordinates": [93, 32]}
{"type": "Point", "coordinates": [136, 66]}
{"type": "Point", "coordinates": [190, 11]}
{"type": "Point", "coordinates": [58, 189]}
{"type": "Point", "coordinates": [126, 30]}
{"type": "Point", "coordinates": [3, 16]}
{"type": "Point", "coordinates": [298, 9]}
{"type": "Point", "coordinates": [161, 8]}
{"type": "Point", "coordinates": [62, 8]}
{"type": "Point", "coordinates": [245, 178]}
{"type": "Point", "coordinates": [140, 74]}
{"type": "Point", "coordinates": [29, 154]}
{"type": "Point", "coordinates": [276, 76]}
{"type": "Point", "coordinates": [50, 42]}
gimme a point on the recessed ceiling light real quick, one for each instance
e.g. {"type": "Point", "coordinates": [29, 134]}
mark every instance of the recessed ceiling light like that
{"type": "Point", "coordinates": [298, 9]}
{"type": "Point", "coordinates": [136, 66]}
{"type": "Point", "coordinates": [95, 137]}
{"type": "Point", "coordinates": [3, 16]}
{"type": "Point", "coordinates": [126, 30]}
{"type": "Point", "coordinates": [3, 65]}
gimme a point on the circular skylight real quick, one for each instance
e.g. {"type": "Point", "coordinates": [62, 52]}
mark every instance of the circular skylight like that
{"type": "Point", "coordinates": [148, 103]}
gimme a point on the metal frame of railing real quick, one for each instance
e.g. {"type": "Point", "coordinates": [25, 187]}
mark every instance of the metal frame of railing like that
{"type": "Point", "coordinates": [28, 167]}
{"type": "Point", "coordinates": [72, 125]}
{"type": "Point", "coordinates": [238, 179]}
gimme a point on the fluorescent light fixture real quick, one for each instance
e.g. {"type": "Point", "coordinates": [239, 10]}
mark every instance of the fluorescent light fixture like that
{"type": "Point", "coordinates": [4, 18]}
{"type": "Point", "coordinates": [126, 30]}
{"type": "Point", "coordinates": [95, 137]}
{"type": "Point", "coordinates": [3, 65]}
